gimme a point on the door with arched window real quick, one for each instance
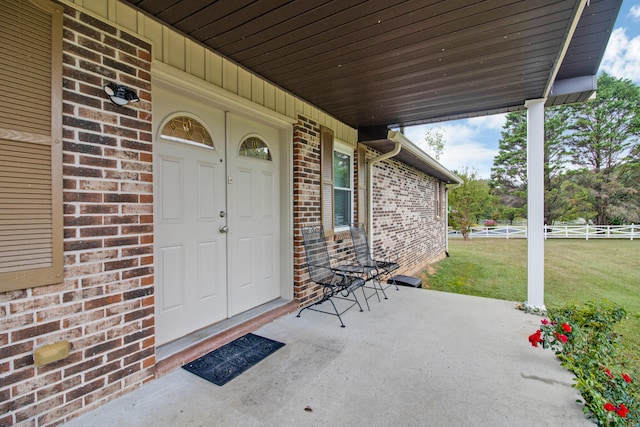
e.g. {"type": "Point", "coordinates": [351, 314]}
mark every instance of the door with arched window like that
{"type": "Point", "coordinates": [191, 255]}
{"type": "Point", "coordinates": [254, 221]}
{"type": "Point", "coordinates": [217, 213]}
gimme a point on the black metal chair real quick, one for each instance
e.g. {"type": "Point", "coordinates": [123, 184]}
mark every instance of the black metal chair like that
{"type": "Point", "coordinates": [375, 268]}
{"type": "Point", "coordinates": [335, 282]}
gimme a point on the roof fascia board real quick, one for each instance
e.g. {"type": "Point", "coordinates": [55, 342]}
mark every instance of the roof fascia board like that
{"type": "Point", "coordinates": [565, 46]}
{"type": "Point", "coordinates": [575, 85]}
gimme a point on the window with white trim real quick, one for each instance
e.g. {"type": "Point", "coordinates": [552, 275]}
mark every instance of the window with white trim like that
{"type": "Point", "coordinates": [342, 185]}
{"type": "Point", "coordinates": [337, 183]}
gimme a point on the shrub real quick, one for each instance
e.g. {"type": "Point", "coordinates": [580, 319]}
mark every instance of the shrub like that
{"type": "Point", "coordinates": [584, 341]}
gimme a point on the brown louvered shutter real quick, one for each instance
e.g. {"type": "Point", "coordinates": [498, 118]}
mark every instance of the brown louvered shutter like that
{"type": "Point", "coordinates": [326, 179]}
{"type": "Point", "coordinates": [31, 252]}
{"type": "Point", "coordinates": [362, 185]}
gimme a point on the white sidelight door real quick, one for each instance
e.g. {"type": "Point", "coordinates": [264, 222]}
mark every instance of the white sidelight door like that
{"type": "Point", "coordinates": [254, 222]}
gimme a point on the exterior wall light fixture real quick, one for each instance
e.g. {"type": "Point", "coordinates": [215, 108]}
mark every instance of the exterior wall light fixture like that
{"type": "Point", "coordinates": [120, 95]}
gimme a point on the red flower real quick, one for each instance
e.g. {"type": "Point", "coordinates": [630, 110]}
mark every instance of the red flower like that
{"type": "Point", "coordinates": [566, 327]}
{"type": "Point", "coordinates": [608, 372]}
{"type": "Point", "coordinates": [562, 337]}
{"type": "Point", "coordinates": [609, 407]}
{"type": "Point", "coordinates": [626, 377]}
{"type": "Point", "coordinates": [622, 410]}
{"type": "Point", "coordinates": [534, 338]}
{"type": "Point", "coordinates": [544, 321]}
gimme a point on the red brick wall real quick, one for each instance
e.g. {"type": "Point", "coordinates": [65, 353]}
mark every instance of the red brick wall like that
{"type": "Point", "coordinates": [405, 224]}
{"type": "Point", "coordinates": [105, 305]}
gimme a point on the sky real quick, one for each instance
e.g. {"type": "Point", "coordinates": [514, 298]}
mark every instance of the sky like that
{"type": "Point", "coordinates": [473, 143]}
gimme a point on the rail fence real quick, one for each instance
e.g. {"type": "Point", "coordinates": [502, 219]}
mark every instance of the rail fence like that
{"type": "Point", "coordinates": [556, 232]}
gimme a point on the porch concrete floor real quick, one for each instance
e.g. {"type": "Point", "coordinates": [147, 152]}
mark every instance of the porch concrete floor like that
{"type": "Point", "coordinates": [420, 358]}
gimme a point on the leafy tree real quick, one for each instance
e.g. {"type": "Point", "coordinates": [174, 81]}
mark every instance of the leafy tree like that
{"type": "Point", "coordinates": [469, 202]}
{"type": "Point", "coordinates": [591, 158]}
{"type": "Point", "coordinates": [603, 142]}
{"type": "Point", "coordinates": [509, 171]}
{"type": "Point", "coordinates": [434, 142]}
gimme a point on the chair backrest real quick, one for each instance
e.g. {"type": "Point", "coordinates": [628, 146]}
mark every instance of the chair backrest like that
{"type": "Point", "coordinates": [318, 260]}
{"type": "Point", "coordinates": [361, 245]}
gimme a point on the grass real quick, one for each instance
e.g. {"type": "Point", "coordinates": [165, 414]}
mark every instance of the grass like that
{"type": "Point", "coordinates": [576, 271]}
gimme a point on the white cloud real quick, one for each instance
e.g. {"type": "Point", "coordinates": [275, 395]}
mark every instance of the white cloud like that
{"type": "Point", "coordinates": [468, 155]}
{"type": "Point", "coordinates": [471, 143]}
{"type": "Point", "coordinates": [495, 121]}
{"type": "Point", "coordinates": [635, 11]}
{"type": "Point", "coordinates": [622, 57]}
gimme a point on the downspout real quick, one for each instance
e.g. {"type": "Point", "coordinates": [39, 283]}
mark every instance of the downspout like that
{"type": "Point", "coordinates": [446, 217]}
{"type": "Point", "coordinates": [372, 162]}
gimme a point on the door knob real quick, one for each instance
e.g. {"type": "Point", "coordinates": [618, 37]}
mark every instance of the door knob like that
{"type": "Point", "coordinates": [223, 229]}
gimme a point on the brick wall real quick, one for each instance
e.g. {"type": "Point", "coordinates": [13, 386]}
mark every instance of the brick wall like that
{"type": "Point", "coordinates": [405, 223]}
{"type": "Point", "coordinates": [306, 201]}
{"type": "Point", "coordinates": [105, 305]}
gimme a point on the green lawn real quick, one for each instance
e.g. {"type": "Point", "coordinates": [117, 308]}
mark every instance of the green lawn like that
{"type": "Point", "coordinates": [576, 271]}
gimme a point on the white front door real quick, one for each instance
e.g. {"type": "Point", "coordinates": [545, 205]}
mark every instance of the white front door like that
{"type": "Point", "coordinates": [191, 252]}
{"type": "Point", "coordinates": [217, 215]}
{"type": "Point", "coordinates": [254, 220]}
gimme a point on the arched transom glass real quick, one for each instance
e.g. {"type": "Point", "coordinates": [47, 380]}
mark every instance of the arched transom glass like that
{"type": "Point", "coordinates": [187, 129]}
{"type": "Point", "coordinates": [256, 148]}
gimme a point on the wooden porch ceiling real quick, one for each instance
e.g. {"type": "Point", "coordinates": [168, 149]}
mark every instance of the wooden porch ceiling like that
{"type": "Point", "coordinates": [387, 63]}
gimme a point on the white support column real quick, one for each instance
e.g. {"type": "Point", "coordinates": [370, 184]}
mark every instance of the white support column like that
{"type": "Point", "coordinates": [535, 203]}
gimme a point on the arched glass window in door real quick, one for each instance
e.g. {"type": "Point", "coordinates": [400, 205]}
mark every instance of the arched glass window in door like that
{"type": "Point", "coordinates": [187, 129]}
{"type": "Point", "coordinates": [256, 148]}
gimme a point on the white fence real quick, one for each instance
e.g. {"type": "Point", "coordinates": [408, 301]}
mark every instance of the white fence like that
{"type": "Point", "coordinates": [556, 232]}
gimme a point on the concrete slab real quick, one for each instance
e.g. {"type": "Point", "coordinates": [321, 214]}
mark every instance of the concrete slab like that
{"type": "Point", "coordinates": [420, 358]}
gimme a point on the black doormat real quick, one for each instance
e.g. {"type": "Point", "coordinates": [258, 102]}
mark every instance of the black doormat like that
{"type": "Point", "coordinates": [227, 362]}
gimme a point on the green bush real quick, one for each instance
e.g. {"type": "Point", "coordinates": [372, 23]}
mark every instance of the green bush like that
{"type": "Point", "coordinates": [584, 341]}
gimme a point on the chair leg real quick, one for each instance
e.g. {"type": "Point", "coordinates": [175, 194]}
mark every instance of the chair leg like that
{"type": "Point", "coordinates": [366, 300]}
{"type": "Point", "coordinates": [338, 314]}
{"type": "Point", "coordinates": [310, 307]}
{"type": "Point", "coordinates": [375, 288]}
{"type": "Point", "coordinates": [358, 302]}
{"type": "Point", "coordinates": [393, 281]}
{"type": "Point", "coordinates": [381, 287]}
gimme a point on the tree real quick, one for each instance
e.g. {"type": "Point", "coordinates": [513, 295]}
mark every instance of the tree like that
{"type": "Point", "coordinates": [469, 202]}
{"type": "Point", "coordinates": [603, 140]}
{"type": "Point", "coordinates": [434, 142]}
{"type": "Point", "coordinates": [591, 157]}
{"type": "Point", "coordinates": [509, 171]}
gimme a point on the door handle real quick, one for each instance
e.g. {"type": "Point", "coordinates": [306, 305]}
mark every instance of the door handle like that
{"type": "Point", "coordinates": [223, 229]}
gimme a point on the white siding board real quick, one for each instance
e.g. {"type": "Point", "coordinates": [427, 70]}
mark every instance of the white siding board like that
{"type": "Point", "coordinates": [175, 50]}
{"type": "Point", "coordinates": [257, 89]}
{"type": "Point", "coordinates": [214, 68]}
{"type": "Point", "coordinates": [229, 76]}
{"type": "Point", "coordinates": [244, 83]}
{"type": "Point", "coordinates": [196, 60]}
{"type": "Point", "coordinates": [124, 17]}
{"type": "Point", "coordinates": [269, 96]}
